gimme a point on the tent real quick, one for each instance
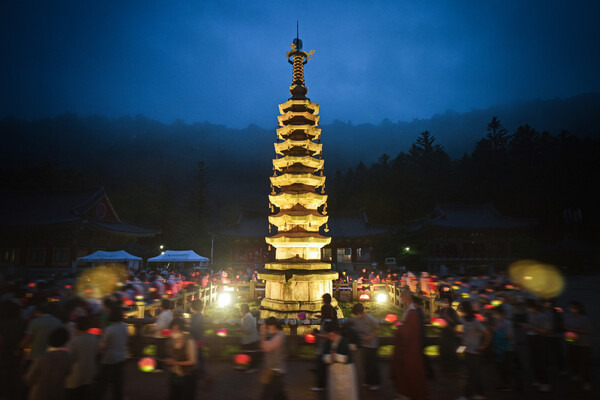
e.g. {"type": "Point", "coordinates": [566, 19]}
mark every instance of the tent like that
{"type": "Point", "coordinates": [120, 256]}
{"type": "Point", "coordinates": [180, 256]}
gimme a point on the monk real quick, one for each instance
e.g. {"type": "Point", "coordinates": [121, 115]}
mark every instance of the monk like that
{"type": "Point", "coordinates": [407, 369]}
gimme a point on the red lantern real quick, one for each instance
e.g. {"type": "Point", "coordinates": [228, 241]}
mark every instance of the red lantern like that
{"type": "Point", "coordinates": [480, 317]}
{"type": "Point", "coordinates": [95, 331]}
{"type": "Point", "coordinates": [147, 364]}
{"type": "Point", "coordinates": [310, 338]}
{"type": "Point", "coordinates": [222, 332]}
{"type": "Point", "coordinates": [165, 333]}
{"type": "Point", "coordinates": [439, 322]}
{"type": "Point", "coordinates": [242, 359]}
{"type": "Point", "coordinates": [391, 318]}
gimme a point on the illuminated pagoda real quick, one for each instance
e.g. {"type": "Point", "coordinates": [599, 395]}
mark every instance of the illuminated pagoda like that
{"type": "Point", "coordinates": [297, 279]}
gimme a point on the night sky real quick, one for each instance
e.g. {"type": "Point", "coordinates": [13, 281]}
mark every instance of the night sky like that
{"type": "Point", "coordinates": [224, 61]}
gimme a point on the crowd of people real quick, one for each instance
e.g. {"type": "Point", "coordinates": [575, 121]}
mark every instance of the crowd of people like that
{"type": "Point", "coordinates": [58, 344]}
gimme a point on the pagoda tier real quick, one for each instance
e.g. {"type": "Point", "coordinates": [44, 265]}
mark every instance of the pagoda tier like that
{"type": "Point", "coordinates": [297, 279]}
{"type": "Point", "coordinates": [286, 132]}
{"type": "Point", "coordinates": [299, 146]}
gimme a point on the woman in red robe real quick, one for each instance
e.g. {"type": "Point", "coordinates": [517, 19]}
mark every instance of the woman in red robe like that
{"type": "Point", "coordinates": [408, 367]}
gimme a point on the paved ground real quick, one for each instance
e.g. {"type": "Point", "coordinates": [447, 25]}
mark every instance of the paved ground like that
{"type": "Point", "coordinates": [235, 385]}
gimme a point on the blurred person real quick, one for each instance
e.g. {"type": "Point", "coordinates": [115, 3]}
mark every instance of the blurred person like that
{"type": "Point", "coordinates": [181, 360]}
{"type": "Point", "coordinates": [537, 326]}
{"type": "Point", "coordinates": [577, 322]}
{"type": "Point", "coordinates": [475, 339]}
{"type": "Point", "coordinates": [367, 328]}
{"type": "Point", "coordinates": [38, 330]}
{"type": "Point", "coordinates": [47, 374]}
{"type": "Point", "coordinates": [12, 329]}
{"type": "Point", "coordinates": [504, 351]}
{"type": "Point", "coordinates": [113, 348]}
{"type": "Point", "coordinates": [407, 369]}
{"type": "Point", "coordinates": [273, 346]}
{"type": "Point", "coordinates": [554, 338]}
{"type": "Point", "coordinates": [328, 313]}
{"type": "Point", "coordinates": [163, 321]}
{"type": "Point", "coordinates": [250, 341]}
{"type": "Point", "coordinates": [342, 383]}
{"type": "Point", "coordinates": [197, 333]}
{"type": "Point", "coordinates": [83, 347]}
{"type": "Point", "coordinates": [448, 338]}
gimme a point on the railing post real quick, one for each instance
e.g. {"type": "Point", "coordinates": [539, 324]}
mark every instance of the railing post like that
{"type": "Point", "coordinates": [354, 291]}
{"type": "Point", "coordinates": [251, 291]}
{"type": "Point", "coordinates": [141, 305]}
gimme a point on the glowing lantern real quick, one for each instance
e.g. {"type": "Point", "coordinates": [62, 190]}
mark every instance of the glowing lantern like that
{"type": "Point", "coordinates": [571, 337]}
{"type": "Point", "coordinates": [364, 297]}
{"type": "Point", "coordinates": [509, 287]}
{"type": "Point", "coordinates": [465, 295]}
{"type": "Point", "coordinates": [222, 332]}
{"type": "Point", "coordinates": [432, 351]}
{"type": "Point", "coordinates": [439, 322]}
{"type": "Point", "coordinates": [128, 302]}
{"type": "Point", "coordinates": [32, 284]}
{"type": "Point", "coordinates": [95, 331]}
{"type": "Point", "coordinates": [147, 364]}
{"type": "Point", "coordinates": [391, 318]}
{"type": "Point", "coordinates": [68, 286]}
{"type": "Point", "coordinates": [456, 287]}
{"type": "Point", "coordinates": [488, 306]}
{"type": "Point", "coordinates": [165, 333]}
{"type": "Point", "coordinates": [310, 338]}
{"type": "Point", "coordinates": [302, 315]}
{"type": "Point", "coordinates": [496, 303]}
{"type": "Point", "coordinates": [149, 350]}
{"type": "Point", "coordinates": [457, 282]}
{"type": "Point", "coordinates": [558, 309]}
{"type": "Point", "coordinates": [480, 317]}
{"type": "Point", "coordinates": [242, 359]}
{"type": "Point", "coordinates": [139, 297]}
{"type": "Point", "coordinates": [397, 324]}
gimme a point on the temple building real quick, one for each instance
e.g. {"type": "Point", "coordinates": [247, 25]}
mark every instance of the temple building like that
{"type": "Point", "coordinates": [54, 228]}
{"type": "Point", "coordinates": [297, 278]}
{"type": "Point", "coordinates": [470, 238]}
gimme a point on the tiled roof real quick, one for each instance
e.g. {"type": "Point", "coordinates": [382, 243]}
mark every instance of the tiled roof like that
{"type": "Point", "coordinates": [474, 216]}
{"type": "Point", "coordinates": [43, 208]}
{"type": "Point", "coordinates": [254, 224]}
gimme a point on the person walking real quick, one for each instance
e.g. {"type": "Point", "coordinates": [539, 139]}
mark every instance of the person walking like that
{"type": "Point", "coordinates": [538, 325]}
{"type": "Point", "coordinates": [367, 328]}
{"type": "Point", "coordinates": [579, 329]}
{"type": "Point", "coordinates": [197, 333]}
{"type": "Point", "coordinates": [448, 339]}
{"type": "Point", "coordinates": [113, 347]}
{"type": "Point", "coordinates": [475, 339]}
{"type": "Point", "coordinates": [328, 313]}
{"type": "Point", "coordinates": [84, 349]}
{"type": "Point", "coordinates": [181, 359]}
{"type": "Point", "coordinates": [250, 342]}
{"type": "Point", "coordinates": [47, 374]}
{"type": "Point", "coordinates": [407, 369]}
{"type": "Point", "coordinates": [342, 383]}
{"type": "Point", "coordinates": [273, 346]}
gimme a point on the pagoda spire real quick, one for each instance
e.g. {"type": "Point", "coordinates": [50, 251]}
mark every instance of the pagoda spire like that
{"type": "Point", "coordinates": [297, 57]}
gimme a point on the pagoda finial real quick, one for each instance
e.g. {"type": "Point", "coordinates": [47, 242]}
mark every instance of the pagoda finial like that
{"type": "Point", "coordinates": [297, 57]}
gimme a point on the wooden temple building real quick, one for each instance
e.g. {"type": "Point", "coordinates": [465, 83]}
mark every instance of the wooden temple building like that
{"type": "Point", "coordinates": [465, 238]}
{"type": "Point", "coordinates": [54, 228]}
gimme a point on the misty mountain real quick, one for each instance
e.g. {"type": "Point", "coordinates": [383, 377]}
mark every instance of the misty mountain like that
{"type": "Point", "coordinates": [139, 158]}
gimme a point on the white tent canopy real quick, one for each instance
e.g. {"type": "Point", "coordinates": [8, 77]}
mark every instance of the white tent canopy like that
{"type": "Point", "coordinates": [121, 256]}
{"type": "Point", "coordinates": [109, 256]}
{"type": "Point", "coordinates": [180, 256]}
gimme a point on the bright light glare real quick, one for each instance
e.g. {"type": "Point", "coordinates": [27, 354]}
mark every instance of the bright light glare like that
{"type": "Point", "coordinates": [224, 300]}
{"type": "Point", "coordinates": [381, 298]}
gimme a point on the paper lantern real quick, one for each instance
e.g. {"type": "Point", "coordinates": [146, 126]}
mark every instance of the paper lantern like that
{"type": "Point", "coordinates": [310, 338]}
{"type": "Point", "coordinates": [439, 322]}
{"type": "Point", "coordinates": [165, 333]}
{"type": "Point", "coordinates": [488, 306]}
{"type": "Point", "coordinates": [432, 351]}
{"type": "Point", "coordinates": [364, 297]}
{"type": "Point", "coordinates": [147, 364]}
{"type": "Point", "coordinates": [302, 315]}
{"type": "Point", "coordinates": [95, 331]}
{"type": "Point", "coordinates": [391, 318]}
{"type": "Point", "coordinates": [480, 317]}
{"type": "Point", "coordinates": [571, 337]}
{"type": "Point", "coordinates": [222, 332]}
{"type": "Point", "coordinates": [496, 303]}
{"type": "Point", "coordinates": [242, 359]}
{"type": "Point", "coordinates": [149, 350]}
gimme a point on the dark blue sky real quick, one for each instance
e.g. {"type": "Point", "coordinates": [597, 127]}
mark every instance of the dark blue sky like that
{"type": "Point", "coordinates": [224, 61]}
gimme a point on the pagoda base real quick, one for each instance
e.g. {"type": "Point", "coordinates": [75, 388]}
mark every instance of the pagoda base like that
{"type": "Point", "coordinates": [289, 292]}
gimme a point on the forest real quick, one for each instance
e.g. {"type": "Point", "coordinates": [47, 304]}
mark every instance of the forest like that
{"type": "Point", "coordinates": [189, 179]}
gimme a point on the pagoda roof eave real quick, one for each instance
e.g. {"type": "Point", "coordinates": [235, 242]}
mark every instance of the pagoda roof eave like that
{"type": "Point", "coordinates": [304, 179]}
{"type": "Point", "coordinates": [296, 102]}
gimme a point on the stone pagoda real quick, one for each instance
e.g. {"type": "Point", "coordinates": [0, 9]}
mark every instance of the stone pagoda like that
{"type": "Point", "coordinates": [297, 279]}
